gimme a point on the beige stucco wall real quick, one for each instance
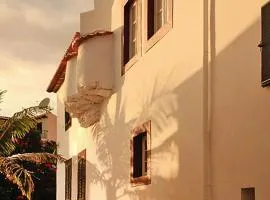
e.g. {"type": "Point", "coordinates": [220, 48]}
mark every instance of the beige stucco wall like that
{"type": "Point", "coordinates": [240, 111]}
{"type": "Point", "coordinates": [165, 86]}
{"type": "Point", "coordinates": [49, 124]}
{"type": "Point", "coordinates": [169, 86]}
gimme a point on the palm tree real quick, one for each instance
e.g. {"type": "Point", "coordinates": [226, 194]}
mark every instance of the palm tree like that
{"type": "Point", "coordinates": [16, 127]}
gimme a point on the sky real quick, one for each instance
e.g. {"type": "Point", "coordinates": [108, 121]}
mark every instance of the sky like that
{"type": "Point", "coordinates": [34, 35]}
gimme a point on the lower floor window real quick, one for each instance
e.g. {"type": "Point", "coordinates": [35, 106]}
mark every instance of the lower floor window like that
{"type": "Point", "coordinates": [68, 179]}
{"type": "Point", "coordinates": [248, 194]}
{"type": "Point", "coordinates": [140, 154]}
{"type": "Point", "coordinates": [81, 175]}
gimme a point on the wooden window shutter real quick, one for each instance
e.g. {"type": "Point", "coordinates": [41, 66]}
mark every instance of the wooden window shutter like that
{"type": "Point", "coordinates": [265, 45]}
{"type": "Point", "coordinates": [68, 179]}
{"type": "Point", "coordinates": [81, 175]}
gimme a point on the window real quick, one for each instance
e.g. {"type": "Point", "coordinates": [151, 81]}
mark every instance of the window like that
{"type": "Point", "coordinates": [68, 179]}
{"type": "Point", "coordinates": [248, 194]}
{"type": "Point", "coordinates": [81, 175]}
{"type": "Point", "coordinates": [140, 155]}
{"type": "Point", "coordinates": [39, 127]}
{"type": "Point", "coordinates": [159, 20]}
{"type": "Point", "coordinates": [265, 47]}
{"type": "Point", "coordinates": [68, 120]}
{"type": "Point", "coordinates": [131, 29]}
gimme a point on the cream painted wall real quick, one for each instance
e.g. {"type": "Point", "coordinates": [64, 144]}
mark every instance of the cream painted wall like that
{"type": "Point", "coordinates": [165, 86]}
{"type": "Point", "coordinates": [49, 124]}
{"type": "Point", "coordinates": [240, 111]}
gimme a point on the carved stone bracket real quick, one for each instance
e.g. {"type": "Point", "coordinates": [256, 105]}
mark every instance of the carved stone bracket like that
{"type": "Point", "coordinates": [86, 104]}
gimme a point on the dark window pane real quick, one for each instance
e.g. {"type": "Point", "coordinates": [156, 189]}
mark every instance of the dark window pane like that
{"type": "Point", "coordinates": [265, 45]}
{"type": "Point", "coordinates": [39, 127]}
{"type": "Point", "coordinates": [138, 151]}
{"type": "Point", "coordinates": [130, 30]}
{"type": "Point", "coordinates": [67, 121]}
{"type": "Point", "coordinates": [150, 18]}
{"type": "Point", "coordinates": [248, 194]}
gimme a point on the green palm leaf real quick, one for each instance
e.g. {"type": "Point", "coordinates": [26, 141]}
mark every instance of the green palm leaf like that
{"type": "Point", "coordinates": [17, 174]}
{"type": "Point", "coordinates": [17, 127]}
{"type": "Point", "coordinates": [38, 158]}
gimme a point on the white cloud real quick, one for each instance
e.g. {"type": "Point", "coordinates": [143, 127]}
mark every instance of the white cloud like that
{"type": "Point", "coordinates": [34, 35]}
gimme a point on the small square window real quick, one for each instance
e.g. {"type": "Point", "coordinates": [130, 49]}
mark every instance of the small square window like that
{"type": "Point", "coordinates": [140, 155]}
{"type": "Point", "coordinates": [248, 193]}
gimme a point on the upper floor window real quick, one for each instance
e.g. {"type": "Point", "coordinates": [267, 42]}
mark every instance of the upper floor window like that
{"type": "Point", "coordinates": [159, 20]}
{"type": "Point", "coordinates": [131, 29]}
{"type": "Point", "coordinates": [265, 47]}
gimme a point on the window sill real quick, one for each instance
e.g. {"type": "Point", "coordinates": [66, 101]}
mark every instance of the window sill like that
{"type": "Point", "coordinates": [149, 43]}
{"type": "Point", "coordinates": [129, 64]}
{"type": "Point", "coordinates": [143, 180]}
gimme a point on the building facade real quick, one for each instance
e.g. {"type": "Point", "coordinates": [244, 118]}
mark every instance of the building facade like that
{"type": "Point", "coordinates": [47, 124]}
{"type": "Point", "coordinates": [162, 100]}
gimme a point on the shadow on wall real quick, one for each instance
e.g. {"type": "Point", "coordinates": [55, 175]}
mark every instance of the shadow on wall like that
{"type": "Point", "coordinates": [176, 114]}
{"type": "Point", "coordinates": [163, 107]}
{"type": "Point", "coordinates": [240, 114]}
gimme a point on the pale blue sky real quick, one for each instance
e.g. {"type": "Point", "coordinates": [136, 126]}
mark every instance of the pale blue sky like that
{"type": "Point", "coordinates": [34, 35]}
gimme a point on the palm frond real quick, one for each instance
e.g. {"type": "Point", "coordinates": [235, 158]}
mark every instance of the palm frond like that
{"type": "Point", "coordinates": [17, 175]}
{"type": "Point", "coordinates": [38, 158]}
{"type": "Point", "coordinates": [13, 170]}
{"type": "Point", "coordinates": [17, 127]}
{"type": "Point", "coordinates": [2, 92]}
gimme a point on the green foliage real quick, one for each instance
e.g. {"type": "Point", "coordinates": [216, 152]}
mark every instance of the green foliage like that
{"type": "Point", "coordinates": [19, 163]}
